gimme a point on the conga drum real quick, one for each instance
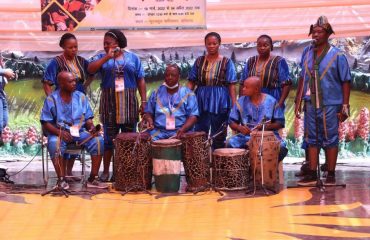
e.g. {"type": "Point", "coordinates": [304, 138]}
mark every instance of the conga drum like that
{"type": "Point", "coordinates": [270, 154]}
{"type": "Point", "coordinates": [132, 162]}
{"type": "Point", "coordinates": [230, 169]}
{"type": "Point", "coordinates": [196, 161]}
{"type": "Point", "coordinates": [167, 164]}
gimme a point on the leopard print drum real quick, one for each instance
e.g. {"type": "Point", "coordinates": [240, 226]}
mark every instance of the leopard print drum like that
{"type": "Point", "coordinates": [133, 162]}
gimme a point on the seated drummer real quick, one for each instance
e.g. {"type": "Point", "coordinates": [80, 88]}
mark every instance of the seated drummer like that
{"type": "Point", "coordinates": [250, 111]}
{"type": "Point", "coordinates": [67, 118]}
{"type": "Point", "coordinates": [171, 110]}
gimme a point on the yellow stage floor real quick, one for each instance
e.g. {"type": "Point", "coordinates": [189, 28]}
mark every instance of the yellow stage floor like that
{"type": "Point", "coordinates": [292, 214]}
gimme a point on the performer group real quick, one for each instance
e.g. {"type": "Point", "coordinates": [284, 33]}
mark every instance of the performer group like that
{"type": "Point", "coordinates": [207, 103]}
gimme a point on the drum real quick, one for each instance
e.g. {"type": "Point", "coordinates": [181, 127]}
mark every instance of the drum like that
{"type": "Point", "coordinates": [167, 164]}
{"type": "Point", "coordinates": [270, 154]}
{"type": "Point", "coordinates": [132, 162]}
{"type": "Point", "coordinates": [230, 169]}
{"type": "Point", "coordinates": [196, 161]}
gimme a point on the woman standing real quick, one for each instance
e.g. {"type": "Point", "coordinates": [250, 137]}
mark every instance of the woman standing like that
{"type": "Point", "coordinates": [68, 61]}
{"type": "Point", "coordinates": [272, 70]}
{"type": "Point", "coordinates": [121, 76]}
{"type": "Point", "coordinates": [214, 76]}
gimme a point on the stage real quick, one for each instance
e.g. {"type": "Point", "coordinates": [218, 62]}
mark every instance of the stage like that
{"type": "Point", "coordinates": [294, 213]}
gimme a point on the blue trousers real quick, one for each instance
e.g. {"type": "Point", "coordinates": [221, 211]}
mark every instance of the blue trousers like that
{"type": "Point", "coordinates": [328, 124]}
{"type": "Point", "coordinates": [94, 146]}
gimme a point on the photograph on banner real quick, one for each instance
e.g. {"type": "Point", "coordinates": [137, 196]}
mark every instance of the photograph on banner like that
{"type": "Point", "coordinates": [64, 15]}
{"type": "Point", "coordinates": [71, 15]}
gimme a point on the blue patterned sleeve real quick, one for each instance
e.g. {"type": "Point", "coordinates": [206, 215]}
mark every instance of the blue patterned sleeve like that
{"type": "Point", "coordinates": [193, 74]}
{"type": "Point", "coordinates": [139, 68]}
{"type": "Point", "coordinates": [344, 70]}
{"type": "Point", "coordinates": [95, 58]}
{"type": "Point", "coordinates": [150, 106]}
{"type": "Point", "coordinates": [301, 64]}
{"type": "Point", "coordinates": [192, 104]}
{"type": "Point", "coordinates": [245, 73]}
{"type": "Point", "coordinates": [48, 112]}
{"type": "Point", "coordinates": [50, 75]}
{"type": "Point", "coordinates": [230, 72]}
{"type": "Point", "coordinates": [283, 72]}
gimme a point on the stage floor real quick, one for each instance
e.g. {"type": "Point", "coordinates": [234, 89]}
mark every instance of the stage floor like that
{"type": "Point", "coordinates": [294, 213]}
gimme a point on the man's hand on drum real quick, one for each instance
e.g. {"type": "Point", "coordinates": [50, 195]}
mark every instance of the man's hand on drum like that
{"type": "Point", "coordinates": [244, 130]}
{"type": "Point", "coordinates": [147, 121]}
{"type": "Point", "coordinates": [179, 133]}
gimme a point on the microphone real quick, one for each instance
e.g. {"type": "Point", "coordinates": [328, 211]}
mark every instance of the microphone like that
{"type": "Point", "coordinates": [117, 49]}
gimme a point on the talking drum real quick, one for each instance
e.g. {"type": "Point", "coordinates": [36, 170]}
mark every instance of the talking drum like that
{"type": "Point", "coordinates": [132, 162]}
{"type": "Point", "coordinates": [196, 161]}
{"type": "Point", "coordinates": [167, 164]}
{"type": "Point", "coordinates": [270, 154]}
{"type": "Point", "coordinates": [230, 169]}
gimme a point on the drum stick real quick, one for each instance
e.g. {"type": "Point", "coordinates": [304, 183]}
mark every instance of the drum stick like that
{"type": "Point", "coordinates": [174, 136]}
{"type": "Point", "coordinates": [259, 125]}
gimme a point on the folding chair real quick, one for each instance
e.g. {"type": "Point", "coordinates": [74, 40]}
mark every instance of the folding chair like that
{"type": "Point", "coordinates": [72, 149]}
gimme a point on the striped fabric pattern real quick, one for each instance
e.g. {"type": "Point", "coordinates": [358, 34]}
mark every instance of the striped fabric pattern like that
{"type": "Point", "coordinates": [270, 72]}
{"type": "Point", "coordinates": [212, 73]}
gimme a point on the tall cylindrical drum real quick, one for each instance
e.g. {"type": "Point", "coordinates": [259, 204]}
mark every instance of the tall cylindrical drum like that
{"type": "Point", "coordinates": [270, 154]}
{"type": "Point", "coordinates": [167, 156]}
{"type": "Point", "coordinates": [132, 162]}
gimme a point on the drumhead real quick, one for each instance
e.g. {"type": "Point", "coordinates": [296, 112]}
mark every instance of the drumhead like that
{"type": "Point", "coordinates": [132, 136]}
{"type": "Point", "coordinates": [193, 134]}
{"type": "Point", "coordinates": [167, 142]}
{"type": "Point", "coordinates": [229, 151]}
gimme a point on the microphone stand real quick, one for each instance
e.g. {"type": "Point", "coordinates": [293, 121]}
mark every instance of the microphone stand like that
{"type": "Point", "coordinates": [319, 183]}
{"type": "Point", "coordinates": [208, 143]}
{"type": "Point", "coordinates": [260, 158]}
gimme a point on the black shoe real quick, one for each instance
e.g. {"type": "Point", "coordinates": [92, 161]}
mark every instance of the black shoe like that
{"type": "Point", "coordinates": [330, 178]}
{"type": "Point", "coordinates": [324, 167]}
{"type": "Point", "coordinates": [308, 180]}
{"type": "Point", "coordinates": [301, 174]}
{"type": "Point", "coordinates": [305, 170]}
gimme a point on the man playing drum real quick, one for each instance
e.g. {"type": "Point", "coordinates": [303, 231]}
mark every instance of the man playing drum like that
{"type": "Point", "coordinates": [171, 110]}
{"type": "Point", "coordinates": [250, 111]}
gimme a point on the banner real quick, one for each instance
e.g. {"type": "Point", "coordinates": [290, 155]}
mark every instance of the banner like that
{"type": "Point", "coordinates": [72, 15]}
